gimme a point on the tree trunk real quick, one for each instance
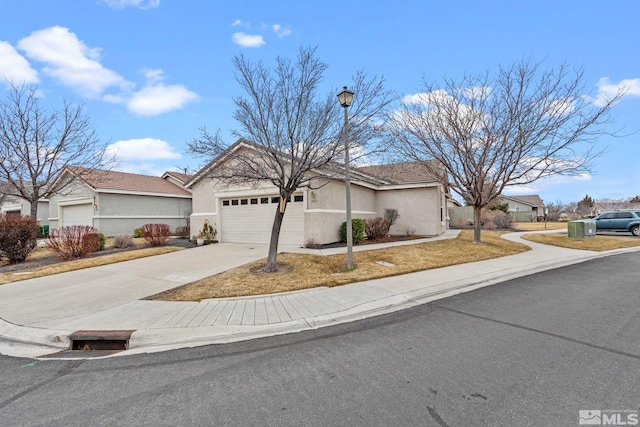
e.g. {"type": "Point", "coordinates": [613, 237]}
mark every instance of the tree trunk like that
{"type": "Point", "coordinates": [272, 258]}
{"type": "Point", "coordinates": [34, 208]}
{"type": "Point", "coordinates": [477, 224]}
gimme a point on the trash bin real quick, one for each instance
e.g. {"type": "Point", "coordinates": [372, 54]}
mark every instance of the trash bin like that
{"type": "Point", "coordinates": [582, 228]}
{"type": "Point", "coordinates": [45, 230]}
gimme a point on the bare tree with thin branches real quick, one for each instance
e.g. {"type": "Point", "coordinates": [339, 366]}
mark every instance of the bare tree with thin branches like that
{"type": "Point", "coordinates": [294, 127]}
{"type": "Point", "coordinates": [36, 144]}
{"type": "Point", "coordinates": [492, 132]}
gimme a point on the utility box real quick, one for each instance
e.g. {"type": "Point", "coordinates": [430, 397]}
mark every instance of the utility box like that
{"type": "Point", "coordinates": [583, 228]}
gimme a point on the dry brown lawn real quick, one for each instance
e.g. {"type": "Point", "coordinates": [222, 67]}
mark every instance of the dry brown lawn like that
{"type": "Point", "coordinates": [597, 243]}
{"type": "Point", "coordinates": [309, 271]}
{"type": "Point", "coordinates": [63, 267]}
{"type": "Point", "coordinates": [539, 226]}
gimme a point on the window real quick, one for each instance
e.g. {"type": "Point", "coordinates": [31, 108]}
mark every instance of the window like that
{"type": "Point", "coordinates": [244, 201]}
{"type": "Point", "coordinates": [606, 216]}
{"type": "Point", "coordinates": [225, 203]}
{"type": "Point", "coordinates": [254, 201]}
{"type": "Point", "coordinates": [264, 200]}
{"type": "Point", "coordinates": [234, 203]}
{"type": "Point", "coordinates": [297, 198]}
{"type": "Point", "coordinates": [275, 200]}
{"type": "Point", "coordinates": [624, 215]}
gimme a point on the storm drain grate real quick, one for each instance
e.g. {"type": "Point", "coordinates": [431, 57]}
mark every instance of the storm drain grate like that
{"type": "Point", "coordinates": [89, 344]}
{"type": "Point", "coordinates": [100, 340]}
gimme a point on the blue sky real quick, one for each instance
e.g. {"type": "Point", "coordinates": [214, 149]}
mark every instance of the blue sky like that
{"type": "Point", "coordinates": [153, 71]}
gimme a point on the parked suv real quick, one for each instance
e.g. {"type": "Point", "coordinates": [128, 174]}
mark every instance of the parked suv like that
{"type": "Point", "coordinates": [619, 221]}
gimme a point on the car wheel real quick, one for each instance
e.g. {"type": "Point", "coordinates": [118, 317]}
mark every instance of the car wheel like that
{"type": "Point", "coordinates": [635, 230]}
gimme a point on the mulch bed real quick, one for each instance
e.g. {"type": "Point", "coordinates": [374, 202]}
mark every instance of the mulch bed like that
{"type": "Point", "coordinates": [53, 259]}
{"type": "Point", "coordinates": [386, 239]}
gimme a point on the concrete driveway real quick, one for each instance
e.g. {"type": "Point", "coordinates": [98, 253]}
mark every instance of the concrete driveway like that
{"type": "Point", "coordinates": [38, 302]}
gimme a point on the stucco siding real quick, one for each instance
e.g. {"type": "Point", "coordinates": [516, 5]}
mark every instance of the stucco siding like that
{"type": "Point", "coordinates": [122, 213]}
{"type": "Point", "coordinates": [74, 191]}
{"type": "Point", "coordinates": [419, 209]}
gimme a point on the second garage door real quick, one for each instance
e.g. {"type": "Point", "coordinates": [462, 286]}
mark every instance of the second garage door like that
{"type": "Point", "coordinates": [249, 220]}
{"type": "Point", "coordinates": [77, 215]}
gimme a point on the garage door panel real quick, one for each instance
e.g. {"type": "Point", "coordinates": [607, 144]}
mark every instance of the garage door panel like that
{"type": "Point", "coordinates": [252, 223]}
{"type": "Point", "coordinates": [77, 215]}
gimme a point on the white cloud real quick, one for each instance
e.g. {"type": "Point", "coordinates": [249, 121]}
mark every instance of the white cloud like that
{"type": "Point", "coordinates": [608, 89]}
{"type": "Point", "coordinates": [548, 183]}
{"type": "Point", "coordinates": [237, 23]}
{"type": "Point", "coordinates": [142, 148]}
{"type": "Point", "coordinates": [281, 32]}
{"type": "Point", "coordinates": [153, 75]}
{"type": "Point", "coordinates": [70, 61]}
{"type": "Point", "coordinates": [159, 99]}
{"type": "Point", "coordinates": [428, 98]}
{"type": "Point", "coordinates": [248, 40]}
{"type": "Point", "coordinates": [14, 67]}
{"type": "Point", "coordinates": [156, 97]}
{"type": "Point", "coordinates": [140, 4]}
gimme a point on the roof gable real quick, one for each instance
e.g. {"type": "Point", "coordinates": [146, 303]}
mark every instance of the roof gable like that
{"type": "Point", "coordinates": [390, 174]}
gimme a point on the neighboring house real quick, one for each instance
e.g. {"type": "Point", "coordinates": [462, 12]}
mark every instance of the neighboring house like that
{"type": "Point", "coordinates": [245, 213]}
{"type": "Point", "coordinates": [13, 205]}
{"type": "Point", "coordinates": [524, 208]}
{"type": "Point", "coordinates": [119, 202]}
{"type": "Point", "coordinates": [606, 206]}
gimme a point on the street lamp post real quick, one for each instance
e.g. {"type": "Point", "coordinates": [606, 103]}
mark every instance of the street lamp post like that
{"type": "Point", "coordinates": [345, 97]}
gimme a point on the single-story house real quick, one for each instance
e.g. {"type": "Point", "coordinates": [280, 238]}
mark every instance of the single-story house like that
{"type": "Point", "coordinates": [119, 202]}
{"type": "Point", "coordinates": [524, 208]}
{"type": "Point", "coordinates": [244, 213]}
{"type": "Point", "coordinates": [19, 206]}
{"type": "Point", "coordinates": [10, 204]}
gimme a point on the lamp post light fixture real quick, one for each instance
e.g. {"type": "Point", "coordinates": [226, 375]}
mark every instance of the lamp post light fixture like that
{"type": "Point", "coordinates": [345, 98]}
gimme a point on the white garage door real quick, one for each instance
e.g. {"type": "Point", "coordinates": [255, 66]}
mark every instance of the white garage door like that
{"type": "Point", "coordinates": [249, 220]}
{"type": "Point", "coordinates": [77, 215]}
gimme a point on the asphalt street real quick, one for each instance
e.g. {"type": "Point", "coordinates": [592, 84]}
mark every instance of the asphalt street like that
{"type": "Point", "coordinates": [532, 351]}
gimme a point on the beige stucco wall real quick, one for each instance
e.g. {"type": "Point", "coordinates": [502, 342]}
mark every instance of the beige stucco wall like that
{"type": "Point", "coordinates": [325, 207]}
{"type": "Point", "coordinates": [326, 210]}
{"type": "Point", "coordinates": [419, 209]}
{"type": "Point", "coordinates": [204, 204]}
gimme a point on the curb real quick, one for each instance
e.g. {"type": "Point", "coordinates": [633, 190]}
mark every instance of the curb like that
{"type": "Point", "coordinates": [24, 341]}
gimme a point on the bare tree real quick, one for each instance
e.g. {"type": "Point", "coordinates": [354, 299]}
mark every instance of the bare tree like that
{"type": "Point", "coordinates": [492, 132]}
{"type": "Point", "coordinates": [36, 144]}
{"type": "Point", "coordinates": [294, 127]}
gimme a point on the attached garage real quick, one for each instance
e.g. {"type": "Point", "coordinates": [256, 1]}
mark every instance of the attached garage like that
{"type": "Point", "coordinates": [81, 214]}
{"type": "Point", "coordinates": [250, 219]}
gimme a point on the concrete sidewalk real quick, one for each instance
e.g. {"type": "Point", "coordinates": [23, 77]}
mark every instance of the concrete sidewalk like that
{"type": "Point", "coordinates": [40, 314]}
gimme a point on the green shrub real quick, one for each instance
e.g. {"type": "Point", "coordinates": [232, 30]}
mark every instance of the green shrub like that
{"type": "Point", "coordinates": [101, 240]}
{"type": "Point", "coordinates": [503, 207]}
{"type": "Point", "coordinates": [357, 229]}
{"type": "Point", "coordinates": [137, 232]}
{"type": "Point", "coordinates": [18, 237]}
